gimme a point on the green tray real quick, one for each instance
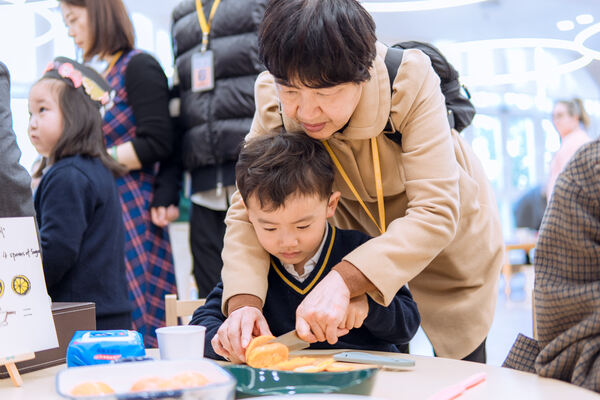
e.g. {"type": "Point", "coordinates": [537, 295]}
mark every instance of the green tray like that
{"type": "Point", "coordinates": [266, 382]}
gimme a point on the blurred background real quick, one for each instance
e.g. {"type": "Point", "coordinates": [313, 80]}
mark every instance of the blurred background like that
{"type": "Point", "coordinates": [515, 57]}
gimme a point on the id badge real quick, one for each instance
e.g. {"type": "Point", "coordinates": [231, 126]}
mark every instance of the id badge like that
{"type": "Point", "coordinates": [203, 78]}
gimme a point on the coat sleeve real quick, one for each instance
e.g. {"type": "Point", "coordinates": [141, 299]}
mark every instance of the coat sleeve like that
{"type": "Point", "coordinates": [431, 183]}
{"type": "Point", "coordinates": [66, 207]}
{"type": "Point", "coordinates": [15, 196]}
{"type": "Point", "coordinates": [243, 256]}
{"type": "Point", "coordinates": [398, 322]}
{"type": "Point", "coordinates": [148, 95]}
{"type": "Point", "coordinates": [210, 316]}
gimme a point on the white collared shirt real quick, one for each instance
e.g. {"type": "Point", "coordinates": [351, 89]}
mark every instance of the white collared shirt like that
{"type": "Point", "coordinates": [310, 264]}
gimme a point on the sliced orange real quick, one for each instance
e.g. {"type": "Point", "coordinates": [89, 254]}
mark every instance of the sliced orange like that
{"type": "Point", "coordinates": [316, 367]}
{"type": "Point", "coordinates": [267, 355]}
{"type": "Point", "coordinates": [258, 341]}
{"type": "Point", "coordinates": [292, 363]}
{"type": "Point", "coordinates": [340, 367]}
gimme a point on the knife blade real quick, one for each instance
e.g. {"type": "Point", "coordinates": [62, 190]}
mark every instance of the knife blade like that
{"type": "Point", "coordinates": [292, 341]}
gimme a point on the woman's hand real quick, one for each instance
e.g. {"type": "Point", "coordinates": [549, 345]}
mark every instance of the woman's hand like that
{"type": "Point", "coordinates": [237, 331]}
{"type": "Point", "coordinates": [162, 216]}
{"type": "Point", "coordinates": [323, 310]}
{"type": "Point", "coordinates": [357, 313]}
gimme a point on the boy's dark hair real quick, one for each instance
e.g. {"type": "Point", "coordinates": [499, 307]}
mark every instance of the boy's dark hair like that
{"type": "Point", "coordinates": [278, 165]}
{"type": "Point", "coordinates": [82, 129]}
{"type": "Point", "coordinates": [318, 43]}
{"type": "Point", "coordinates": [110, 28]}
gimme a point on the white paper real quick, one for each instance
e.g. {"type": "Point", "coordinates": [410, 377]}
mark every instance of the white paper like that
{"type": "Point", "coordinates": [26, 323]}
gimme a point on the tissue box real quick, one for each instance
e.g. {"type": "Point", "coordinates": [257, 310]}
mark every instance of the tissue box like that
{"type": "Point", "coordinates": [103, 347]}
{"type": "Point", "coordinates": [68, 318]}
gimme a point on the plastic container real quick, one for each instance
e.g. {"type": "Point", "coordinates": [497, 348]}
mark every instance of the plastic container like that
{"type": "Point", "coordinates": [121, 376]}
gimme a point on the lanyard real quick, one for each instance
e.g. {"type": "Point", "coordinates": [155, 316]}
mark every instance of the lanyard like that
{"type": "Point", "coordinates": [112, 63]}
{"type": "Point", "coordinates": [378, 183]}
{"type": "Point", "coordinates": [205, 26]}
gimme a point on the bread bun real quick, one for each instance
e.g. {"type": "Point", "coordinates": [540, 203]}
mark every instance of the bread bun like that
{"type": "Point", "coordinates": [91, 389]}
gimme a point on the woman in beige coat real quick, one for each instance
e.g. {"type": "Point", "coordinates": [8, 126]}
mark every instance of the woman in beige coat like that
{"type": "Point", "coordinates": [436, 218]}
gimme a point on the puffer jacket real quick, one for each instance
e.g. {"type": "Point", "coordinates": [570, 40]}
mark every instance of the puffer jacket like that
{"type": "Point", "coordinates": [215, 122]}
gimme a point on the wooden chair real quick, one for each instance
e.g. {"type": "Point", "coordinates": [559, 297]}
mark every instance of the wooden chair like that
{"type": "Point", "coordinates": [507, 268]}
{"type": "Point", "coordinates": [179, 308]}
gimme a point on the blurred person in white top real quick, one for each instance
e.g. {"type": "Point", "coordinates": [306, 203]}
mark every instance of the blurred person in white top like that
{"type": "Point", "coordinates": [571, 121]}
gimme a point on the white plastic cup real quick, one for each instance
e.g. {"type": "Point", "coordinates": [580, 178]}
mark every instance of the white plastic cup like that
{"type": "Point", "coordinates": [181, 342]}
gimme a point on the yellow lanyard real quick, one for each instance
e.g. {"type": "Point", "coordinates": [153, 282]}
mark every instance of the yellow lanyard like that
{"type": "Point", "coordinates": [378, 183]}
{"type": "Point", "coordinates": [112, 63]}
{"type": "Point", "coordinates": [205, 26]}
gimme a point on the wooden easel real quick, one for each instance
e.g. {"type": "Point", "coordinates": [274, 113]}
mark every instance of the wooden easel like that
{"type": "Point", "coordinates": [9, 363]}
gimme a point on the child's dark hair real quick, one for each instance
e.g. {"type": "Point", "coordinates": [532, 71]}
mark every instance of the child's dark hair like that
{"type": "Point", "coordinates": [318, 43]}
{"type": "Point", "coordinates": [278, 165]}
{"type": "Point", "coordinates": [82, 130]}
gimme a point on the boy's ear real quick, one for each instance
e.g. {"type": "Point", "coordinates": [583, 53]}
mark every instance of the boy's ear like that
{"type": "Point", "coordinates": [332, 203]}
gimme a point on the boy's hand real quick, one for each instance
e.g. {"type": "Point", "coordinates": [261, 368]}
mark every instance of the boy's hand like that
{"type": "Point", "coordinates": [357, 312]}
{"type": "Point", "coordinates": [235, 333]}
{"type": "Point", "coordinates": [323, 310]}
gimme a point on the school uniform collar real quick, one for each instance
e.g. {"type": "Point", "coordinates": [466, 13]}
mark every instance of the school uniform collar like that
{"type": "Point", "coordinates": [316, 274]}
{"type": "Point", "coordinates": [310, 263]}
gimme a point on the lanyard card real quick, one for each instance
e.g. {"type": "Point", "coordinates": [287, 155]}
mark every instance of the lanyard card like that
{"type": "Point", "coordinates": [203, 78]}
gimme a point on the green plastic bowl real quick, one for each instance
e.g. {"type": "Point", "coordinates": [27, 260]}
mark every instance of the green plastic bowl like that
{"type": "Point", "coordinates": [265, 382]}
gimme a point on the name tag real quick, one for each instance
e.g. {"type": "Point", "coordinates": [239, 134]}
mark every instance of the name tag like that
{"type": "Point", "coordinates": [203, 78]}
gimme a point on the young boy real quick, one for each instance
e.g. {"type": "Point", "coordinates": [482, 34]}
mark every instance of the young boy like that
{"type": "Point", "coordinates": [286, 181]}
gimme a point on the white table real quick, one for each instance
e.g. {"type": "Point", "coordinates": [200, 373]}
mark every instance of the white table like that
{"type": "Point", "coordinates": [427, 377]}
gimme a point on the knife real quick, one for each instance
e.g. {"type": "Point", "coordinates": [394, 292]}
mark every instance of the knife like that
{"type": "Point", "coordinates": [366, 358]}
{"type": "Point", "coordinates": [292, 341]}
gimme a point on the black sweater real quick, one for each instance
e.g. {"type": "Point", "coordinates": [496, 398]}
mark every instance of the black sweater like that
{"type": "Point", "coordinates": [148, 95]}
{"type": "Point", "coordinates": [383, 328]}
{"type": "Point", "coordinates": [82, 235]}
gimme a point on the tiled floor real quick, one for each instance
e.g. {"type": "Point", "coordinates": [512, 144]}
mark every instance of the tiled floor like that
{"type": "Point", "coordinates": [512, 316]}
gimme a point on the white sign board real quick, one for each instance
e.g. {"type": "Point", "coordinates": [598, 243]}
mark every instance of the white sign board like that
{"type": "Point", "coordinates": [26, 323]}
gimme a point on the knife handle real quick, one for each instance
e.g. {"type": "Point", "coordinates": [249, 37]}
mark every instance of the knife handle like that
{"type": "Point", "coordinates": [366, 358]}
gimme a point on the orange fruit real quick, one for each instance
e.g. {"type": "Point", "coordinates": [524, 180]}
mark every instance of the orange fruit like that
{"type": "Point", "coordinates": [267, 355]}
{"type": "Point", "coordinates": [340, 367]}
{"type": "Point", "coordinates": [257, 341]}
{"type": "Point", "coordinates": [316, 367]}
{"type": "Point", "coordinates": [91, 389]}
{"type": "Point", "coordinates": [292, 363]}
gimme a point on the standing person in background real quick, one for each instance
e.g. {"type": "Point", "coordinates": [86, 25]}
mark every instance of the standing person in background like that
{"type": "Point", "coordinates": [138, 134]}
{"type": "Point", "coordinates": [15, 196]}
{"type": "Point", "coordinates": [214, 118]}
{"type": "Point", "coordinates": [77, 204]}
{"type": "Point", "coordinates": [571, 121]}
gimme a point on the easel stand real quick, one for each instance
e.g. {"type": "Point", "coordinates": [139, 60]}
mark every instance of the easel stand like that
{"type": "Point", "coordinates": [9, 363]}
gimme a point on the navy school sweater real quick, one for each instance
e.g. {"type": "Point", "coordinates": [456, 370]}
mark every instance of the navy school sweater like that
{"type": "Point", "coordinates": [82, 235]}
{"type": "Point", "coordinates": [383, 328]}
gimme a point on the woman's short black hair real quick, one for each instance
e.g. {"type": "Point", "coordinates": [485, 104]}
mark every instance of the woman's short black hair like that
{"type": "Point", "coordinates": [276, 166]}
{"type": "Point", "coordinates": [317, 43]}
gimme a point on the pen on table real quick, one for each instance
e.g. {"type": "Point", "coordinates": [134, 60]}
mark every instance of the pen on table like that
{"type": "Point", "coordinates": [453, 391]}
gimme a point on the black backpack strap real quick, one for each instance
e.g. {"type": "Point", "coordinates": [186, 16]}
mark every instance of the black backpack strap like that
{"type": "Point", "coordinates": [393, 59]}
